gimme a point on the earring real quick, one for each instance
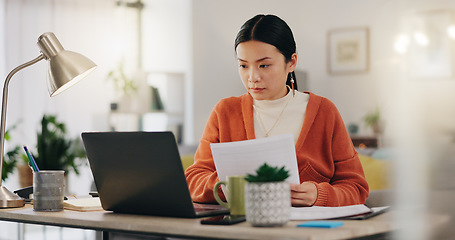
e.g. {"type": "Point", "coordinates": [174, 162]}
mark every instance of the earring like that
{"type": "Point", "coordinates": [292, 85]}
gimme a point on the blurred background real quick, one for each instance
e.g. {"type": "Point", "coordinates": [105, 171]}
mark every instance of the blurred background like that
{"type": "Point", "coordinates": [388, 65]}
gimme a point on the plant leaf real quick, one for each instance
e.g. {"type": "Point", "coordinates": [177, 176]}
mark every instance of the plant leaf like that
{"type": "Point", "coordinates": [266, 173]}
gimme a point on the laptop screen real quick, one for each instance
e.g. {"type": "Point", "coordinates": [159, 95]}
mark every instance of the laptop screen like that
{"type": "Point", "coordinates": [139, 172]}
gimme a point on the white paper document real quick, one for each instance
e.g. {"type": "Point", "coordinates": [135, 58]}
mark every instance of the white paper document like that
{"type": "Point", "coordinates": [318, 213]}
{"type": "Point", "coordinates": [243, 157]}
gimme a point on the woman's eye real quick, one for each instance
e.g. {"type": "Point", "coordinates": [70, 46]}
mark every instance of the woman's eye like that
{"type": "Point", "coordinates": [242, 66]}
{"type": "Point", "coordinates": [264, 65]}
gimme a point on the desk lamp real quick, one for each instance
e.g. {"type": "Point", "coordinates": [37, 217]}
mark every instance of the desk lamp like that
{"type": "Point", "coordinates": [65, 69]}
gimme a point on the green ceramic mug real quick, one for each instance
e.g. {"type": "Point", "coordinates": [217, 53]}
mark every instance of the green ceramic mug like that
{"type": "Point", "coordinates": [235, 194]}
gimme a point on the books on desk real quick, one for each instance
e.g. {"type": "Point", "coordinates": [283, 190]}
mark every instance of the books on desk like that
{"type": "Point", "coordinates": [83, 204]}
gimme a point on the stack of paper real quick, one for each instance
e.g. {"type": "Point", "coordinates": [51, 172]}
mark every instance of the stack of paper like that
{"type": "Point", "coordinates": [315, 212]}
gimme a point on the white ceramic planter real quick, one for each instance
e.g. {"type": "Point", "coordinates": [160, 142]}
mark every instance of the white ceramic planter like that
{"type": "Point", "coordinates": [267, 204]}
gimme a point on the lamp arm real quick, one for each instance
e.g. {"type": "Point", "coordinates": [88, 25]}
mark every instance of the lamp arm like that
{"type": "Point", "coordinates": [4, 105]}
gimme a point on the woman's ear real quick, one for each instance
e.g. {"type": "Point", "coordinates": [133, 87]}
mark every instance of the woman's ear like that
{"type": "Point", "coordinates": [293, 62]}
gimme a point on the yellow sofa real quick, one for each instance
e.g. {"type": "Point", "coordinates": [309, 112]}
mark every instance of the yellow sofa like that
{"type": "Point", "coordinates": [377, 172]}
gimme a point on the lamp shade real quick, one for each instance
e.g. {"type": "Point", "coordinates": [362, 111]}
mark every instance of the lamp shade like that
{"type": "Point", "coordinates": [65, 67]}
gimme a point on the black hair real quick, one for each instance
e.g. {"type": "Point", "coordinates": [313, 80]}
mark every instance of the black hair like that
{"type": "Point", "coordinates": [272, 30]}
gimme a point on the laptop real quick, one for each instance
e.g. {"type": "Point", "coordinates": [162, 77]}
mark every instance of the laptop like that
{"type": "Point", "coordinates": [142, 173]}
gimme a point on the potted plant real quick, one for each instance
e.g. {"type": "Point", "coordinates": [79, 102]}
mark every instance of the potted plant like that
{"type": "Point", "coordinates": [55, 150]}
{"type": "Point", "coordinates": [124, 86]}
{"type": "Point", "coordinates": [122, 83]}
{"type": "Point", "coordinates": [267, 197]}
{"type": "Point", "coordinates": [373, 120]}
{"type": "Point", "coordinates": [12, 160]}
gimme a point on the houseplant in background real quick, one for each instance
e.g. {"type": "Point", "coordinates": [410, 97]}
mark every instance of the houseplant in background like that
{"type": "Point", "coordinates": [55, 150]}
{"type": "Point", "coordinates": [122, 83]}
{"type": "Point", "coordinates": [124, 86]}
{"type": "Point", "coordinates": [373, 121]}
{"type": "Point", "coordinates": [16, 159]}
{"type": "Point", "coordinates": [267, 197]}
{"type": "Point", "coordinates": [11, 157]}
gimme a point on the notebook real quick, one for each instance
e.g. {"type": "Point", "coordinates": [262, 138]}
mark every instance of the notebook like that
{"type": "Point", "coordinates": [86, 204]}
{"type": "Point", "coordinates": [142, 173]}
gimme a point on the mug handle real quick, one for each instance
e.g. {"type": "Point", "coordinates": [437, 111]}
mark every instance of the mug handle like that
{"type": "Point", "coordinates": [215, 194]}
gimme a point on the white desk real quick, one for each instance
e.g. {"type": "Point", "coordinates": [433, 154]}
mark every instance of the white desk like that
{"type": "Point", "coordinates": [191, 228]}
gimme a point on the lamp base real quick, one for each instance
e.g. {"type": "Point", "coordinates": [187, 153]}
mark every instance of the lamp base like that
{"type": "Point", "coordinates": [9, 199]}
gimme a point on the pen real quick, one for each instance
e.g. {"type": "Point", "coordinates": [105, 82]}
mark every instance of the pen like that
{"type": "Point", "coordinates": [31, 160]}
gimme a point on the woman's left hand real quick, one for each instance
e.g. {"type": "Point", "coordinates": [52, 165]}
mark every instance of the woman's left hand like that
{"type": "Point", "coordinates": [304, 194]}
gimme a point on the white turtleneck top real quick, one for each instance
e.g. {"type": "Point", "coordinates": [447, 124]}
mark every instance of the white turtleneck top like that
{"type": "Point", "coordinates": [290, 121]}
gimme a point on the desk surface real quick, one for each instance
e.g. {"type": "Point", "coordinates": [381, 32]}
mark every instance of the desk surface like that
{"type": "Point", "coordinates": [180, 227]}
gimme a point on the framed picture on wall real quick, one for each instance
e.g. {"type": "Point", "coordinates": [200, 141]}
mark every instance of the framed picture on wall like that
{"type": "Point", "coordinates": [348, 50]}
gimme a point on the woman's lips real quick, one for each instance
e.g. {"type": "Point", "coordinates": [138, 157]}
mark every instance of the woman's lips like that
{"type": "Point", "coordinates": [255, 90]}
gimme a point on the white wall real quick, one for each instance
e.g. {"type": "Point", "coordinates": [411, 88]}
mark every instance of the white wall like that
{"type": "Point", "coordinates": [2, 40]}
{"type": "Point", "coordinates": [167, 42]}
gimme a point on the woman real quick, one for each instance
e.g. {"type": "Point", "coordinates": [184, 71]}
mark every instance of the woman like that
{"type": "Point", "coordinates": [329, 168]}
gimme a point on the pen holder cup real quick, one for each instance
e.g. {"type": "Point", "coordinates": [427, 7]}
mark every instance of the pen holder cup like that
{"type": "Point", "coordinates": [48, 190]}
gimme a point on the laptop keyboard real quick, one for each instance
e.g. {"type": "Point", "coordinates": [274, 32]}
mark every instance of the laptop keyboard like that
{"type": "Point", "coordinates": [198, 207]}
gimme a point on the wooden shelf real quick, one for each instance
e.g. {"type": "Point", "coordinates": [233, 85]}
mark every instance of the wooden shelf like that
{"type": "Point", "coordinates": [365, 141]}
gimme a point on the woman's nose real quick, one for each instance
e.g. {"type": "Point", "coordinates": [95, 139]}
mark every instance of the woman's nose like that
{"type": "Point", "coordinates": [254, 76]}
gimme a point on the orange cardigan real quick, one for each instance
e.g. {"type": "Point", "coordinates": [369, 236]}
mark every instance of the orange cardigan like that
{"type": "Point", "coordinates": [325, 153]}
